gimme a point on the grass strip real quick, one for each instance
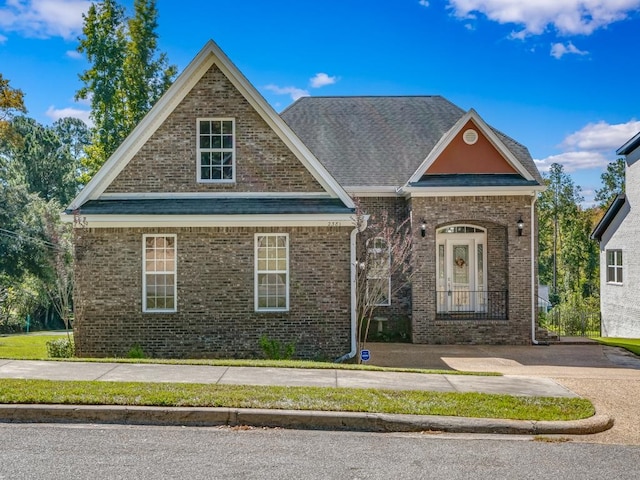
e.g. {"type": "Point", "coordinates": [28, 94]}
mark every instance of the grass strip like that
{"type": "Point", "coordinates": [34, 347]}
{"type": "Point", "coordinates": [478, 405]}
{"type": "Point", "coordinates": [631, 344]}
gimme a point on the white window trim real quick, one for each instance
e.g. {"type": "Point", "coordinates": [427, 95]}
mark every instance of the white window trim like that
{"type": "Point", "coordinates": [199, 150]}
{"type": "Point", "coordinates": [144, 274]}
{"type": "Point", "coordinates": [256, 272]}
{"type": "Point", "coordinates": [617, 255]}
{"type": "Point", "coordinates": [388, 277]}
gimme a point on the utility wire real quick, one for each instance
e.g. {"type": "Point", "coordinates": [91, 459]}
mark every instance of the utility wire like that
{"type": "Point", "coordinates": [10, 234]}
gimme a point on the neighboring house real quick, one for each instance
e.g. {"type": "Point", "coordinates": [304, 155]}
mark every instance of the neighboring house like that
{"type": "Point", "coordinates": [217, 221]}
{"type": "Point", "coordinates": [618, 233]}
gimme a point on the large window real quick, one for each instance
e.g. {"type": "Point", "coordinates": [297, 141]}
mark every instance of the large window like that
{"type": "Point", "coordinates": [159, 276]}
{"type": "Point", "coordinates": [378, 272]}
{"type": "Point", "coordinates": [614, 266]}
{"type": "Point", "coordinates": [272, 272]}
{"type": "Point", "coordinates": [216, 150]}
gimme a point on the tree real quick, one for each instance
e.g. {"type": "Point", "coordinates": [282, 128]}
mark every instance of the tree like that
{"type": "Point", "coordinates": [127, 74]}
{"type": "Point", "coordinates": [383, 265]}
{"type": "Point", "coordinates": [613, 183]}
{"type": "Point", "coordinates": [11, 103]}
{"type": "Point", "coordinates": [558, 208]}
{"type": "Point", "coordinates": [43, 160]}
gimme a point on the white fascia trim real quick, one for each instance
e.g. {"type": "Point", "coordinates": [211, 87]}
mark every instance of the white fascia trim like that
{"type": "Point", "coordinates": [374, 191]}
{"type": "Point", "coordinates": [446, 139]}
{"type": "Point", "coordinates": [470, 191]}
{"type": "Point", "coordinates": [209, 55]}
{"type": "Point", "coordinates": [135, 221]}
{"type": "Point", "coordinates": [197, 195]}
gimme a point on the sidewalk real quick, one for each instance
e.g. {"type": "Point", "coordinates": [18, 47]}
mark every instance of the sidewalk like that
{"type": "Point", "coordinates": [508, 384]}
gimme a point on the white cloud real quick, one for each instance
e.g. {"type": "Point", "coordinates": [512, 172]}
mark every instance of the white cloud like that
{"type": "Point", "coordinates": [567, 17]}
{"type": "Point", "coordinates": [558, 50]}
{"type": "Point", "coordinates": [294, 92]}
{"type": "Point", "coordinates": [573, 161]}
{"type": "Point", "coordinates": [58, 113]}
{"type": "Point", "coordinates": [593, 146]}
{"type": "Point", "coordinates": [601, 136]}
{"type": "Point", "coordinates": [74, 54]}
{"type": "Point", "coordinates": [321, 80]}
{"type": "Point", "coordinates": [424, 3]}
{"type": "Point", "coordinates": [43, 18]}
{"type": "Point", "coordinates": [3, 39]}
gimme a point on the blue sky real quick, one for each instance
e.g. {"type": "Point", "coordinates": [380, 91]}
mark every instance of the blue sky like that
{"type": "Point", "coordinates": [560, 76]}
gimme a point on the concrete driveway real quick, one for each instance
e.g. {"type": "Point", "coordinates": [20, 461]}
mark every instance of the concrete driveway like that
{"type": "Point", "coordinates": [608, 376]}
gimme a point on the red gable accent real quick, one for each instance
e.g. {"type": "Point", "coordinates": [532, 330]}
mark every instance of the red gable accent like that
{"type": "Point", "coordinates": [459, 157]}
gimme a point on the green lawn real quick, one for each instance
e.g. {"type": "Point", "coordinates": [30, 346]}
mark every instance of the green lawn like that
{"type": "Point", "coordinates": [31, 346]}
{"type": "Point", "coordinates": [631, 344]}
{"type": "Point", "coordinates": [297, 398]}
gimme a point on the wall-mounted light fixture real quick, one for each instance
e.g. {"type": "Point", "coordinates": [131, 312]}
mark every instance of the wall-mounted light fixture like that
{"type": "Point", "coordinates": [423, 228]}
{"type": "Point", "coordinates": [520, 226]}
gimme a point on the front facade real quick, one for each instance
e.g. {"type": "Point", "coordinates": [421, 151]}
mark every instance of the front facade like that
{"type": "Point", "coordinates": [618, 233]}
{"type": "Point", "coordinates": [218, 222]}
{"type": "Point", "coordinates": [469, 194]}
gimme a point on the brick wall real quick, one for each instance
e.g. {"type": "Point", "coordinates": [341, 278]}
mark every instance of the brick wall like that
{"type": "Point", "coordinates": [167, 162]}
{"type": "Point", "coordinates": [215, 316]}
{"type": "Point", "coordinates": [509, 267]}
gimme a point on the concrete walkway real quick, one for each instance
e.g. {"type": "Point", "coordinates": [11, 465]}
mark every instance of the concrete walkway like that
{"type": "Point", "coordinates": [508, 384]}
{"type": "Point", "coordinates": [127, 372]}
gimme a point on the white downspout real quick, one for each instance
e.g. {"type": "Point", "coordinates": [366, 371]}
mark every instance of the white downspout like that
{"type": "Point", "coordinates": [533, 273]}
{"type": "Point", "coordinates": [361, 225]}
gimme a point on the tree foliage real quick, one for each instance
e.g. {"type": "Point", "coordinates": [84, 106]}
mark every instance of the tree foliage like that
{"type": "Point", "coordinates": [11, 104]}
{"type": "Point", "coordinates": [126, 77]}
{"type": "Point", "coordinates": [613, 183]}
{"type": "Point", "coordinates": [568, 258]}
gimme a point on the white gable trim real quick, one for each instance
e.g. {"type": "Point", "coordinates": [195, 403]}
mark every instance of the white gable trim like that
{"type": "Point", "coordinates": [210, 55]}
{"type": "Point", "coordinates": [251, 221]}
{"type": "Point", "coordinates": [448, 137]}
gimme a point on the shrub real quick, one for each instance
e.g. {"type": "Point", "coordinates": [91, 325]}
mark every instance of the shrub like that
{"type": "Point", "coordinates": [274, 350]}
{"type": "Point", "coordinates": [136, 352]}
{"type": "Point", "coordinates": [60, 348]}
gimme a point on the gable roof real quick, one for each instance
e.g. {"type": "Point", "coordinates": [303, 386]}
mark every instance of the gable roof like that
{"type": "Point", "coordinates": [630, 146]}
{"type": "Point", "coordinates": [383, 141]}
{"type": "Point", "coordinates": [607, 218]}
{"type": "Point", "coordinates": [210, 55]}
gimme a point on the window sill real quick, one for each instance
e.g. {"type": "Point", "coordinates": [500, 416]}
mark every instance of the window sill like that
{"type": "Point", "coordinates": [217, 181]}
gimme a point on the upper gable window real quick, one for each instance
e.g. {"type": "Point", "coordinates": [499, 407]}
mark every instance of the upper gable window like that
{"type": "Point", "coordinates": [216, 150]}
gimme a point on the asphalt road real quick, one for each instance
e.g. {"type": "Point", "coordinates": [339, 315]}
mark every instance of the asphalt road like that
{"type": "Point", "coordinates": [69, 452]}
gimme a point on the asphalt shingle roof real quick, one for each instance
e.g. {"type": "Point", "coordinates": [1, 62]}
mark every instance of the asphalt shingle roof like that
{"type": "Point", "coordinates": [215, 206]}
{"type": "Point", "coordinates": [379, 141]}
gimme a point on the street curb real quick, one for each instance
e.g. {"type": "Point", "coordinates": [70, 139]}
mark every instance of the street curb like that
{"type": "Point", "coordinates": [299, 419]}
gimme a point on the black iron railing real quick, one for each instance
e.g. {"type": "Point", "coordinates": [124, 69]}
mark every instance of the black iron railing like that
{"type": "Point", "coordinates": [472, 304]}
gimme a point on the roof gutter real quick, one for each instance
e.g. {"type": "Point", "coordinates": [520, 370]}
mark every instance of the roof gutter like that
{"type": "Point", "coordinates": [361, 225]}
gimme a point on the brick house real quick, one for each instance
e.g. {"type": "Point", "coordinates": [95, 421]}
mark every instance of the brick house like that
{"type": "Point", "coordinates": [218, 221]}
{"type": "Point", "coordinates": [618, 235]}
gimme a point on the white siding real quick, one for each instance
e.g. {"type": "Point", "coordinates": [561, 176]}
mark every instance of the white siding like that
{"type": "Point", "coordinates": [620, 304]}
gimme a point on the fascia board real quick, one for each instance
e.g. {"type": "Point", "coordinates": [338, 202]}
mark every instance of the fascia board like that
{"type": "Point", "coordinates": [208, 56]}
{"type": "Point", "coordinates": [470, 191]}
{"type": "Point", "coordinates": [135, 221]}
{"type": "Point", "coordinates": [373, 191]}
{"type": "Point", "coordinates": [446, 139]}
{"type": "Point", "coordinates": [630, 145]}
